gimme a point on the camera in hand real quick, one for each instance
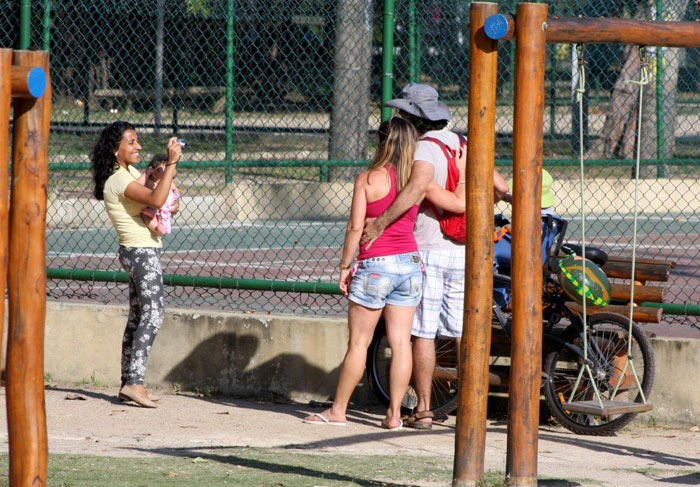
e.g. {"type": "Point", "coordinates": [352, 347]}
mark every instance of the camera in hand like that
{"type": "Point", "coordinates": [181, 142]}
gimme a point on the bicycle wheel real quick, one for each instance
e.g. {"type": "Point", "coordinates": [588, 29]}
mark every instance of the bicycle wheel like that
{"type": "Point", "coordinates": [444, 387]}
{"type": "Point", "coordinates": [443, 398]}
{"type": "Point", "coordinates": [608, 334]}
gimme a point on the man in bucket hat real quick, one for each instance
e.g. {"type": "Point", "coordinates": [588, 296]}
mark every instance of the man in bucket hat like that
{"type": "Point", "coordinates": [441, 309]}
{"type": "Point", "coordinates": [421, 101]}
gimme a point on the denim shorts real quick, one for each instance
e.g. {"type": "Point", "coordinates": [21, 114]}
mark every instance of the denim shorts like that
{"type": "Point", "coordinates": [391, 279]}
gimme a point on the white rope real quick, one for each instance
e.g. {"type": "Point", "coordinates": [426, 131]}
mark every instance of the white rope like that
{"type": "Point", "coordinates": [644, 79]}
{"type": "Point", "coordinates": [580, 91]}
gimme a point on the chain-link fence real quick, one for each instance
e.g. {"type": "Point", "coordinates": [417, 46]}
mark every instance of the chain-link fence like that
{"type": "Point", "coordinates": [278, 101]}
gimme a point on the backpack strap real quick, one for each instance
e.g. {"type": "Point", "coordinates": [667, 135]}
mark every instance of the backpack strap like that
{"type": "Point", "coordinates": [449, 154]}
{"type": "Point", "coordinates": [500, 233]}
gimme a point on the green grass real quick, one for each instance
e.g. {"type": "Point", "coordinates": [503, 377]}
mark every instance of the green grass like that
{"type": "Point", "coordinates": [258, 467]}
{"type": "Point", "coordinates": [658, 472]}
{"type": "Point", "coordinates": [95, 381]}
{"type": "Point", "coordinates": [668, 475]}
{"type": "Point", "coordinates": [78, 146]}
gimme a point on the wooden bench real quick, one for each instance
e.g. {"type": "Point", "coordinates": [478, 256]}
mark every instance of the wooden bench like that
{"type": "Point", "coordinates": [646, 270]}
{"type": "Point", "coordinates": [108, 98]}
{"type": "Point", "coordinates": [202, 97]}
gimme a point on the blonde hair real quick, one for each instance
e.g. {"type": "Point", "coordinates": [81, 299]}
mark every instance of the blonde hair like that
{"type": "Point", "coordinates": [397, 143]}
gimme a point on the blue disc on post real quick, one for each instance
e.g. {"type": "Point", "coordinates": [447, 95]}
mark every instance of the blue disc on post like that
{"type": "Point", "coordinates": [36, 82]}
{"type": "Point", "coordinates": [496, 27]}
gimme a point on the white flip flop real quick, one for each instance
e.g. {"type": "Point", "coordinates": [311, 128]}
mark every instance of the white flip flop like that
{"type": "Point", "coordinates": [324, 421]}
{"type": "Point", "coordinates": [396, 428]}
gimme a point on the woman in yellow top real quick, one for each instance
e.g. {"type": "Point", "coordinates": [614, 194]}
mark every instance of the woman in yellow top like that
{"type": "Point", "coordinates": [115, 179]}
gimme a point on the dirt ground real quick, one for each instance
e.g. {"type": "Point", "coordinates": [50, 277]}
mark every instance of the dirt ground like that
{"type": "Point", "coordinates": [91, 421]}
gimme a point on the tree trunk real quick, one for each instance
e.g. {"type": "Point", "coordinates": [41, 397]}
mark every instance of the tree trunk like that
{"type": "Point", "coordinates": [673, 58]}
{"type": "Point", "coordinates": [620, 124]}
{"type": "Point", "coordinates": [351, 78]}
{"type": "Point", "coordinates": [103, 82]}
{"type": "Point", "coordinates": [649, 141]}
{"type": "Point", "coordinates": [673, 10]}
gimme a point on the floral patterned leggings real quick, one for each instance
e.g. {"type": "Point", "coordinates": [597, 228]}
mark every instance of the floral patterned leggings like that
{"type": "Point", "coordinates": [146, 309]}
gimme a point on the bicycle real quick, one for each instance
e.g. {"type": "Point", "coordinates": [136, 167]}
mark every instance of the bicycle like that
{"type": "Point", "coordinates": [562, 353]}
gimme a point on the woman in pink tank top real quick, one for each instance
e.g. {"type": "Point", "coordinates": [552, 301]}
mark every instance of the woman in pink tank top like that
{"type": "Point", "coordinates": [387, 277]}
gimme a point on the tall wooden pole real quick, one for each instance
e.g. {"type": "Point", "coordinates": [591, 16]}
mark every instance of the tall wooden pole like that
{"type": "Point", "coordinates": [526, 348]}
{"type": "Point", "coordinates": [5, 102]}
{"type": "Point", "coordinates": [27, 284]}
{"type": "Point", "coordinates": [470, 437]}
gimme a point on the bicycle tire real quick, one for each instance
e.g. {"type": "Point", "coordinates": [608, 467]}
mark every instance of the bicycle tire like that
{"type": "Point", "coordinates": [444, 391]}
{"type": "Point", "coordinates": [378, 363]}
{"type": "Point", "coordinates": [444, 388]}
{"type": "Point", "coordinates": [611, 334]}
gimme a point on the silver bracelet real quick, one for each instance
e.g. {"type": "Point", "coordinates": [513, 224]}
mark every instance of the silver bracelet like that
{"type": "Point", "coordinates": [463, 181]}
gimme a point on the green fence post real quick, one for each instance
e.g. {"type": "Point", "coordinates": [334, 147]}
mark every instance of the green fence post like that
{"type": "Point", "coordinates": [418, 51]}
{"type": "Point", "coordinates": [660, 123]}
{"type": "Point", "coordinates": [46, 25]}
{"type": "Point", "coordinates": [25, 23]}
{"type": "Point", "coordinates": [412, 55]}
{"type": "Point", "coordinates": [387, 58]}
{"type": "Point", "coordinates": [229, 90]}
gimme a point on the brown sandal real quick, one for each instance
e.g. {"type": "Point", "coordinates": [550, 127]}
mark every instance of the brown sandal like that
{"type": "Point", "coordinates": [413, 421]}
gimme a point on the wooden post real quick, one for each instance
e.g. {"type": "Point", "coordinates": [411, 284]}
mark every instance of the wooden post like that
{"type": "Point", "coordinates": [27, 284]}
{"type": "Point", "coordinates": [5, 102]}
{"type": "Point", "coordinates": [609, 31]}
{"type": "Point", "coordinates": [470, 437]}
{"type": "Point", "coordinates": [526, 349]}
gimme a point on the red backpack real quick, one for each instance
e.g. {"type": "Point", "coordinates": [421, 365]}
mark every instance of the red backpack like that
{"type": "Point", "coordinates": [453, 225]}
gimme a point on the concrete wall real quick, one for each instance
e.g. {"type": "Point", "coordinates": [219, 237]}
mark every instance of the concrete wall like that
{"type": "Point", "coordinates": [676, 394]}
{"type": "Point", "coordinates": [236, 354]}
{"type": "Point", "coordinates": [249, 200]}
{"type": "Point", "coordinates": [286, 357]}
{"type": "Point", "coordinates": [244, 200]}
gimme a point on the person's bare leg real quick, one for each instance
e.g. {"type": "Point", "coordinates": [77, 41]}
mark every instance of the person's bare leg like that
{"type": "Point", "coordinates": [399, 320]}
{"type": "Point", "coordinates": [361, 322]}
{"type": "Point", "coordinates": [423, 369]}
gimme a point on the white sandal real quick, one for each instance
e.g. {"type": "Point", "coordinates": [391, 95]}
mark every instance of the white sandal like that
{"type": "Point", "coordinates": [324, 421]}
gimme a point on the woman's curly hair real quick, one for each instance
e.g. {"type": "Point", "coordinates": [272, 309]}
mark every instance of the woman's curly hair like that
{"type": "Point", "coordinates": [104, 162]}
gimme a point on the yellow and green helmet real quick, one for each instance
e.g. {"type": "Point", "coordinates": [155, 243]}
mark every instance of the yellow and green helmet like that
{"type": "Point", "coordinates": [570, 275]}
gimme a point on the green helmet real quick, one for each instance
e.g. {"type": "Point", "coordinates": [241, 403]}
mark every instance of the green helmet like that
{"type": "Point", "coordinates": [570, 275]}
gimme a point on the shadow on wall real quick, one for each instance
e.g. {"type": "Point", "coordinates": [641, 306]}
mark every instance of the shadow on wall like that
{"type": "Point", "coordinates": [227, 363]}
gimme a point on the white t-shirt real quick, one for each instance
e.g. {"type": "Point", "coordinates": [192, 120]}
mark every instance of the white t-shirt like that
{"type": "Point", "coordinates": [427, 231]}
